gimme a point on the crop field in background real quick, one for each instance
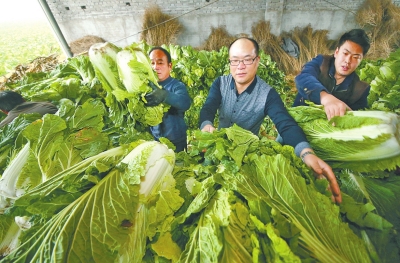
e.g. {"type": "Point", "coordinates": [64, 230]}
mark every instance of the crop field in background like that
{"type": "Point", "coordinates": [20, 43]}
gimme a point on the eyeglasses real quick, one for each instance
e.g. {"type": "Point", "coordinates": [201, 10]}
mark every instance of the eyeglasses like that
{"type": "Point", "coordinates": [246, 61]}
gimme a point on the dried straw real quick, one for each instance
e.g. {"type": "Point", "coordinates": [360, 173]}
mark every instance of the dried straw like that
{"type": "Point", "coordinates": [310, 43]}
{"type": "Point", "coordinates": [159, 28]}
{"type": "Point", "coordinates": [381, 21]}
{"type": "Point", "coordinates": [39, 64]}
{"type": "Point", "coordinates": [271, 45]}
{"type": "Point", "coordinates": [82, 45]}
{"type": "Point", "coordinates": [218, 38]}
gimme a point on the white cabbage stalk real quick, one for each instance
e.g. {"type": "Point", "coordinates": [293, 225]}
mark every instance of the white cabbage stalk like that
{"type": "Point", "coordinates": [387, 149]}
{"type": "Point", "coordinates": [4, 203]}
{"type": "Point", "coordinates": [103, 57]}
{"type": "Point", "coordinates": [8, 181]}
{"type": "Point", "coordinates": [11, 238]}
{"type": "Point", "coordinates": [23, 222]}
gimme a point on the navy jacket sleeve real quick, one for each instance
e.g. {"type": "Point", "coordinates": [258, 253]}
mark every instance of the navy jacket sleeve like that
{"type": "Point", "coordinates": [178, 96]}
{"type": "Point", "coordinates": [307, 83]}
{"type": "Point", "coordinates": [210, 107]}
{"type": "Point", "coordinates": [287, 127]}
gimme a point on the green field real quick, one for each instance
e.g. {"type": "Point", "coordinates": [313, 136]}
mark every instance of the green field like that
{"type": "Point", "coordinates": [20, 43]}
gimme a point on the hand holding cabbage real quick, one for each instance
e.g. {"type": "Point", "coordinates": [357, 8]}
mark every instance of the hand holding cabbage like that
{"type": "Point", "coordinates": [127, 75]}
{"type": "Point", "coordinates": [155, 97]}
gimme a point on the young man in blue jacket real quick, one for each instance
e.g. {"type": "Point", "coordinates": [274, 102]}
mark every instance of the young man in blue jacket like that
{"type": "Point", "coordinates": [245, 99]}
{"type": "Point", "coordinates": [331, 81]}
{"type": "Point", "coordinates": [174, 93]}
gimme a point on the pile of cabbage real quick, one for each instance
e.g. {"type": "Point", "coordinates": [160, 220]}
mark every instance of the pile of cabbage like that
{"type": "Point", "coordinates": [89, 184]}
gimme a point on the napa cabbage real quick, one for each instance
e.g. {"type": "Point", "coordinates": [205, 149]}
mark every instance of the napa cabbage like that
{"type": "Point", "coordinates": [365, 140]}
{"type": "Point", "coordinates": [136, 74]}
{"type": "Point", "coordinates": [125, 75]}
{"type": "Point", "coordinates": [103, 58]}
{"type": "Point", "coordinates": [108, 222]}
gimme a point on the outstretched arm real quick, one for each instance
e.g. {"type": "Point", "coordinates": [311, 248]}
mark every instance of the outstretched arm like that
{"type": "Point", "coordinates": [322, 171]}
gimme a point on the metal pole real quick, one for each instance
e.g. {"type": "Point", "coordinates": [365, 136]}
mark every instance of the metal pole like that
{"type": "Point", "coordinates": [56, 29]}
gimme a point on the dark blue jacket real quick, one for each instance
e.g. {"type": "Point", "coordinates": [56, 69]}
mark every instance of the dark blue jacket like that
{"type": "Point", "coordinates": [311, 81]}
{"type": "Point", "coordinates": [173, 125]}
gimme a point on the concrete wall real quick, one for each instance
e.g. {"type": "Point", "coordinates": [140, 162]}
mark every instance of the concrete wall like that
{"type": "Point", "coordinates": [335, 16]}
{"type": "Point", "coordinates": [120, 22]}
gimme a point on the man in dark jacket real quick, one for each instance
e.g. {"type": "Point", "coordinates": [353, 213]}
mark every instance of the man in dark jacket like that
{"type": "Point", "coordinates": [244, 99]}
{"type": "Point", "coordinates": [174, 93]}
{"type": "Point", "coordinates": [12, 104]}
{"type": "Point", "coordinates": [331, 81]}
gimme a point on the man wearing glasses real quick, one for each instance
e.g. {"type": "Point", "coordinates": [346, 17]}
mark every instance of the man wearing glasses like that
{"type": "Point", "coordinates": [244, 99]}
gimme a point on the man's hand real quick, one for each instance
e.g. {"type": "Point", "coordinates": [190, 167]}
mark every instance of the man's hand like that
{"type": "Point", "coordinates": [208, 128]}
{"type": "Point", "coordinates": [156, 97]}
{"type": "Point", "coordinates": [323, 171]}
{"type": "Point", "coordinates": [333, 106]}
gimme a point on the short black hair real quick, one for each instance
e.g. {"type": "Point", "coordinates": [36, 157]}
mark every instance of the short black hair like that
{"type": "Point", "coordinates": [357, 36]}
{"type": "Point", "coordinates": [9, 100]}
{"type": "Point", "coordinates": [164, 51]}
{"type": "Point", "coordinates": [255, 44]}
